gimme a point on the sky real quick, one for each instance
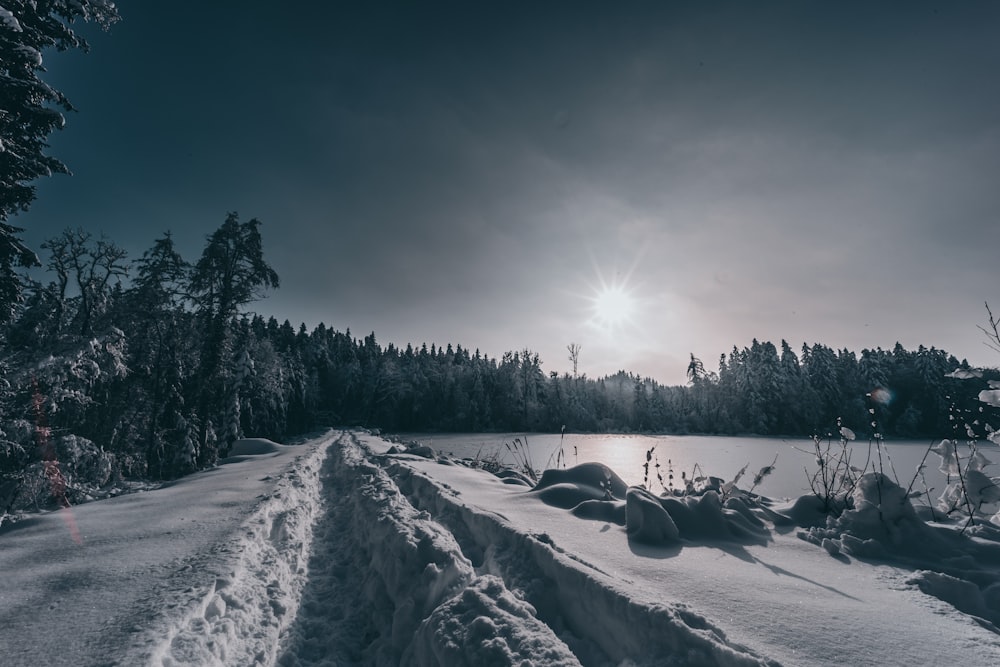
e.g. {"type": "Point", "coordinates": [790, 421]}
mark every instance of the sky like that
{"type": "Point", "coordinates": [477, 173]}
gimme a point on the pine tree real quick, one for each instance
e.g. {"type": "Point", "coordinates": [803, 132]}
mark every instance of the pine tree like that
{"type": "Point", "coordinates": [158, 355]}
{"type": "Point", "coordinates": [31, 110]}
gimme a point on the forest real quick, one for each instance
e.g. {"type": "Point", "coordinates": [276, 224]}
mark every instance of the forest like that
{"type": "Point", "coordinates": [150, 368]}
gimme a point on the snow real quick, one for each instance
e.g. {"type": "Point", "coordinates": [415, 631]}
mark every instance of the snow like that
{"type": "Point", "coordinates": [348, 549]}
{"type": "Point", "coordinates": [990, 396]}
{"type": "Point", "coordinates": [9, 21]}
{"type": "Point", "coordinates": [195, 572]}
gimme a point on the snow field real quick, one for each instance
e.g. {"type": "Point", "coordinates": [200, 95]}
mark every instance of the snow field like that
{"type": "Point", "coordinates": [345, 551]}
{"type": "Point", "coordinates": [743, 570]}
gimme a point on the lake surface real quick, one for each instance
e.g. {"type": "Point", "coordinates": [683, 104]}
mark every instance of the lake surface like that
{"type": "Point", "coordinates": [716, 456]}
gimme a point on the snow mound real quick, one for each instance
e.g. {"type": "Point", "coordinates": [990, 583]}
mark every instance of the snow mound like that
{"type": "Point", "coordinates": [646, 521]}
{"type": "Point", "coordinates": [961, 594]}
{"type": "Point", "coordinates": [879, 522]}
{"type": "Point", "coordinates": [254, 447]}
{"type": "Point", "coordinates": [882, 524]}
{"type": "Point", "coordinates": [584, 482]}
{"type": "Point", "coordinates": [705, 518]}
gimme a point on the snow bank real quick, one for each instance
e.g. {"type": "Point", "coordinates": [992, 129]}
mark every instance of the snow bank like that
{"type": "Point", "coordinates": [254, 447]}
{"type": "Point", "coordinates": [664, 575]}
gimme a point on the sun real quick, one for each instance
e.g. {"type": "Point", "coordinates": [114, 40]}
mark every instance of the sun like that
{"type": "Point", "coordinates": [613, 306]}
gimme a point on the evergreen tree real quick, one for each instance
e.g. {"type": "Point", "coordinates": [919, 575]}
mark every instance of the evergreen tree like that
{"type": "Point", "coordinates": [230, 274]}
{"type": "Point", "coordinates": [31, 110]}
{"type": "Point", "coordinates": [159, 357]}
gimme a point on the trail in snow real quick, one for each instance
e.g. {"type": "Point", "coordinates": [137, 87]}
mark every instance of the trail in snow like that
{"type": "Point", "coordinates": [178, 575]}
{"type": "Point", "coordinates": [390, 585]}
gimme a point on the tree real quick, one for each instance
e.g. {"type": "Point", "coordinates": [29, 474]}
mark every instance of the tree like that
{"type": "Point", "coordinates": [13, 255]}
{"type": "Point", "coordinates": [230, 274]}
{"type": "Point", "coordinates": [696, 370]}
{"type": "Point", "coordinates": [30, 110]}
{"type": "Point", "coordinates": [992, 330]}
{"type": "Point", "coordinates": [574, 355]}
{"type": "Point", "coordinates": [91, 266]}
{"type": "Point", "coordinates": [159, 355]}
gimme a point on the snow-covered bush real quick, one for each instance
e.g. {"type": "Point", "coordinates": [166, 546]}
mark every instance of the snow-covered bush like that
{"type": "Point", "coordinates": [54, 471]}
{"type": "Point", "coordinates": [879, 519]}
{"type": "Point", "coordinates": [85, 465]}
{"type": "Point", "coordinates": [15, 456]}
{"type": "Point", "coordinates": [970, 490]}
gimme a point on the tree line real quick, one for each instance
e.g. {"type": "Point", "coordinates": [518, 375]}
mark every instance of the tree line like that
{"type": "Point", "coordinates": [151, 368]}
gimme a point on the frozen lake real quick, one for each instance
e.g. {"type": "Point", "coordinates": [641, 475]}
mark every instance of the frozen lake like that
{"type": "Point", "coordinates": [715, 455]}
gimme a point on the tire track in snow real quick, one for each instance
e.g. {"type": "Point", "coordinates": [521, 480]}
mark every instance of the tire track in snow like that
{"type": "Point", "coordinates": [334, 624]}
{"type": "Point", "coordinates": [388, 585]}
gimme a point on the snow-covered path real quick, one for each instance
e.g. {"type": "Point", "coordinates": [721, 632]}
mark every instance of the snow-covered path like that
{"type": "Point", "coordinates": [336, 552]}
{"type": "Point", "coordinates": [153, 571]}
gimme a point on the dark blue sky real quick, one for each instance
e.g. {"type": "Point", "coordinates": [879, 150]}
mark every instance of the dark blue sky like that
{"type": "Point", "coordinates": [815, 171]}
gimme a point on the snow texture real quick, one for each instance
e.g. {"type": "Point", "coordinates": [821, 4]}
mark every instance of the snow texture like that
{"type": "Point", "coordinates": [348, 550]}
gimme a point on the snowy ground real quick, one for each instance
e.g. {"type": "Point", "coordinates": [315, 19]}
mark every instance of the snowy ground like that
{"type": "Point", "coordinates": [339, 552]}
{"type": "Point", "coordinates": [202, 571]}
